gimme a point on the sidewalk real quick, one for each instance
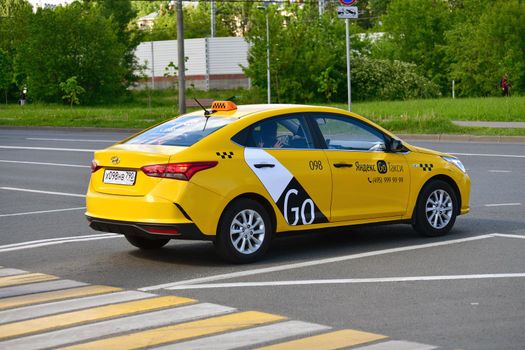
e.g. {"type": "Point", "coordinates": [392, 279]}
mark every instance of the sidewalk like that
{"type": "Point", "coordinates": [502, 125]}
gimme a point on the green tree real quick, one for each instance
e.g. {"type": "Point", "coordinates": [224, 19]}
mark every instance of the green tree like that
{"type": "Point", "coordinates": [14, 19]}
{"type": "Point", "coordinates": [308, 60]}
{"type": "Point", "coordinates": [72, 41]}
{"type": "Point", "coordinates": [122, 14]}
{"type": "Point", "coordinates": [489, 42]}
{"type": "Point", "coordinates": [143, 8]}
{"type": "Point", "coordinates": [6, 72]}
{"type": "Point", "coordinates": [14, 16]}
{"type": "Point", "coordinates": [72, 91]}
{"type": "Point", "coordinates": [416, 33]}
{"type": "Point", "coordinates": [231, 19]}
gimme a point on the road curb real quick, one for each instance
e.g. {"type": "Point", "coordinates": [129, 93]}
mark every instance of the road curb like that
{"type": "Point", "coordinates": [412, 137]}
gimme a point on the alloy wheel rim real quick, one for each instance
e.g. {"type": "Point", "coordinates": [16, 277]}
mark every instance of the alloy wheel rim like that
{"type": "Point", "coordinates": [247, 231]}
{"type": "Point", "coordinates": [438, 209]}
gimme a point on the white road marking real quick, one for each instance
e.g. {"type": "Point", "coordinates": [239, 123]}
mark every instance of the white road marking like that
{"type": "Point", "coordinates": [42, 212]}
{"type": "Point", "coordinates": [39, 287]}
{"type": "Point", "coordinates": [50, 149]}
{"type": "Point", "coordinates": [348, 281]}
{"type": "Point", "coordinates": [10, 272]}
{"type": "Point", "coordinates": [40, 163]}
{"type": "Point", "coordinates": [500, 171]}
{"type": "Point", "coordinates": [67, 140]}
{"type": "Point", "coordinates": [502, 204]}
{"type": "Point", "coordinates": [309, 263]}
{"type": "Point", "coordinates": [397, 345]}
{"type": "Point", "coordinates": [489, 155]}
{"type": "Point", "coordinates": [44, 192]}
{"type": "Point", "coordinates": [82, 333]}
{"type": "Point", "coordinates": [509, 236]}
{"type": "Point", "coordinates": [56, 241]}
{"type": "Point", "coordinates": [40, 310]}
{"type": "Point", "coordinates": [248, 338]}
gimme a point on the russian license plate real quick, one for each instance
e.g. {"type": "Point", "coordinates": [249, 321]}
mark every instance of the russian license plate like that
{"type": "Point", "coordinates": [120, 177]}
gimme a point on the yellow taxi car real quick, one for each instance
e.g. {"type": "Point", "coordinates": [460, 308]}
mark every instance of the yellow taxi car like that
{"type": "Point", "coordinates": [242, 175]}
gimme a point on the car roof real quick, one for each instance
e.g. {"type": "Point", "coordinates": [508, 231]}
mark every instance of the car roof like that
{"type": "Point", "coordinates": [245, 110]}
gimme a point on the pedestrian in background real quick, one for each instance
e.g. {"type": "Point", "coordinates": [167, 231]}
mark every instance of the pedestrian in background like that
{"type": "Point", "coordinates": [23, 96]}
{"type": "Point", "coordinates": [505, 85]}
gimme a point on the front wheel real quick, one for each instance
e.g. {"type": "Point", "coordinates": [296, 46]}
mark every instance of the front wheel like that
{"type": "Point", "coordinates": [244, 232]}
{"type": "Point", "coordinates": [147, 243]}
{"type": "Point", "coordinates": [436, 209]}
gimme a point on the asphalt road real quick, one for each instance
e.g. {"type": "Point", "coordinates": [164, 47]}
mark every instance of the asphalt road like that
{"type": "Point", "coordinates": [462, 291]}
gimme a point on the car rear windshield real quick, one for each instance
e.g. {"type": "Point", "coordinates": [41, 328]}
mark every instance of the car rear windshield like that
{"type": "Point", "coordinates": [182, 131]}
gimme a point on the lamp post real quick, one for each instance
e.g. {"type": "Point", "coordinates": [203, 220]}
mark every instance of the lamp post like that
{"type": "Point", "coordinates": [267, 53]}
{"type": "Point", "coordinates": [212, 19]}
{"type": "Point", "coordinates": [180, 60]}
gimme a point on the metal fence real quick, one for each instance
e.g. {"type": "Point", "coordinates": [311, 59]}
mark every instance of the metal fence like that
{"type": "Point", "coordinates": [212, 63]}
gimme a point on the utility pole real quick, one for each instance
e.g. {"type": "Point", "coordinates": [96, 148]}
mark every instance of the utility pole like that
{"type": "Point", "coordinates": [180, 52]}
{"type": "Point", "coordinates": [268, 80]}
{"type": "Point", "coordinates": [321, 7]}
{"type": "Point", "coordinates": [212, 5]}
{"type": "Point", "coordinates": [348, 73]}
{"type": "Point", "coordinates": [152, 67]}
{"type": "Point", "coordinates": [268, 59]}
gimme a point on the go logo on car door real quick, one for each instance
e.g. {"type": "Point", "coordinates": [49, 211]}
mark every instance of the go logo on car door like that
{"type": "Point", "coordinates": [291, 198]}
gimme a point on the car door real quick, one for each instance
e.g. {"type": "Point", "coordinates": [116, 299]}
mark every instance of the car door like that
{"type": "Point", "coordinates": [367, 181]}
{"type": "Point", "coordinates": [281, 152]}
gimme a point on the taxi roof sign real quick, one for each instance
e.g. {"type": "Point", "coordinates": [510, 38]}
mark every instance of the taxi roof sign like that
{"type": "Point", "coordinates": [223, 106]}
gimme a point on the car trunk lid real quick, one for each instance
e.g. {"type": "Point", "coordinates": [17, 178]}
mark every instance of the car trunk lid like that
{"type": "Point", "coordinates": [119, 168]}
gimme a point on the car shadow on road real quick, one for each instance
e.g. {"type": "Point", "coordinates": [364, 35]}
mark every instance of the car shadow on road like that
{"type": "Point", "coordinates": [324, 244]}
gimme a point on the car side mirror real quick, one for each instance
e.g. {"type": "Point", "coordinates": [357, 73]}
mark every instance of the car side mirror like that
{"type": "Point", "coordinates": [396, 145]}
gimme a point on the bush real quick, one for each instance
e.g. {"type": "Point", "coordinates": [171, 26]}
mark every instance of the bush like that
{"type": "Point", "coordinates": [375, 79]}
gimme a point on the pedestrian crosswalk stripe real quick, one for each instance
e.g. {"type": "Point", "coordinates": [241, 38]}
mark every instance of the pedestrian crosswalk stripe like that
{"type": "Point", "coordinates": [38, 287]}
{"type": "Point", "coordinates": [181, 331]}
{"type": "Point", "coordinates": [397, 345]}
{"type": "Point", "coordinates": [328, 341]}
{"type": "Point", "coordinates": [70, 305]}
{"type": "Point", "coordinates": [11, 272]}
{"type": "Point", "coordinates": [88, 332]}
{"type": "Point", "coordinates": [249, 337]}
{"type": "Point", "coordinates": [25, 279]}
{"type": "Point", "coordinates": [94, 314]}
{"type": "Point", "coordinates": [37, 298]}
{"type": "Point", "coordinates": [39, 311]}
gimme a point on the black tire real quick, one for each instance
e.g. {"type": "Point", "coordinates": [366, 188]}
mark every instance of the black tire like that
{"type": "Point", "coordinates": [147, 243]}
{"type": "Point", "coordinates": [229, 244]}
{"type": "Point", "coordinates": [437, 225]}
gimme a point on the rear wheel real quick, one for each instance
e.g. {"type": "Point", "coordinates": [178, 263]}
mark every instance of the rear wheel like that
{"type": "Point", "coordinates": [244, 232]}
{"type": "Point", "coordinates": [436, 209]}
{"type": "Point", "coordinates": [147, 243]}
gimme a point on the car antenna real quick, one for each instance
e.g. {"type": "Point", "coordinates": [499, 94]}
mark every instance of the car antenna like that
{"type": "Point", "coordinates": [207, 113]}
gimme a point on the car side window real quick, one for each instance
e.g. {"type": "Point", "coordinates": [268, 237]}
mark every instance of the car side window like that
{"type": "Point", "coordinates": [345, 133]}
{"type": "Point", "coordinates": [287, 132]}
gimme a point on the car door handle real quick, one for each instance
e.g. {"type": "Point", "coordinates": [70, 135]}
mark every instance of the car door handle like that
{"type": "Point", "coordinates": [263, 165]}
{"type": "Point", "coordinates": [343, 165]}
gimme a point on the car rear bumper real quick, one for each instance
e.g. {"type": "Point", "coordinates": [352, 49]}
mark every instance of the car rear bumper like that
{"type": "Point", "coordinates": [148, 230]}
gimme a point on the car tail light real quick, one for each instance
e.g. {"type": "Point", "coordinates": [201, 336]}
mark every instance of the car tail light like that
{"type": "Point", "coordinates": [180, 171]}
{"type": "Point", "coordinates": [163, 231]}
{"type": "Point", "coordinates": [94, 166]}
